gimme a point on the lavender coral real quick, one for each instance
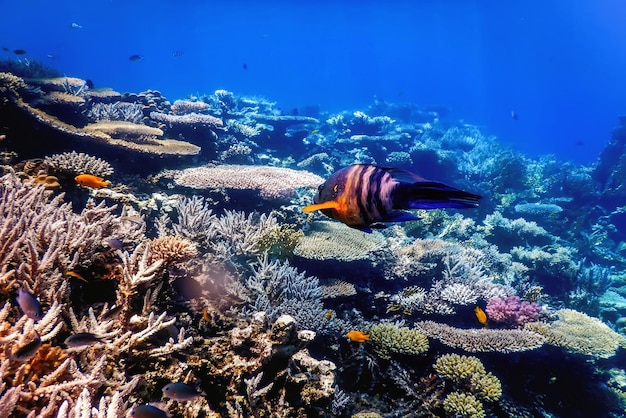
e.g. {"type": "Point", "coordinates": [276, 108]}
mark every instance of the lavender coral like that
{"type": "Point", "coordinates": [512, 311]}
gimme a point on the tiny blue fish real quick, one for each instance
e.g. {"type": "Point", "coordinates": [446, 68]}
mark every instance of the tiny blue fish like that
{"type": "Point", "coordinates": [116, 244]}
{"type": "Point", "coordinates": [147, 411]}
{"type": "Point", "coordinates": [113, 312]}
{"type": "Point", "coordinates": [180, 391]}
{"type": "Point", "coordinates": [29, 304]}
{"type": "Point", "coordinates": [81, 339]}
{"type": "Point", "coordinates": [27, 351]}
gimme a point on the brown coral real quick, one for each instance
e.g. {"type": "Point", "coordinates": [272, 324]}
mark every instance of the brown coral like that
{"type": "Point", "coordinates": [172, 249]}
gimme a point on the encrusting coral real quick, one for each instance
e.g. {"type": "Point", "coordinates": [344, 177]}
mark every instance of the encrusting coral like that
{"type": "Point", "coordinates": [333, 241]}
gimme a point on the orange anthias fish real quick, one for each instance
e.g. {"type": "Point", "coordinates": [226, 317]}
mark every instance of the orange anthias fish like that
{"type": "Point", "coordinates": [358, 336]}
{"type": "Point", "coordinates": [364, 195]}
{"type": "Point", "coordinates": [480, 315]}
{"type": "Point", "coordinates": [89, 180]}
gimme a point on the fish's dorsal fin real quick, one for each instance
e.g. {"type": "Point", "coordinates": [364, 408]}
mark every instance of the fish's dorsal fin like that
{"type": "Point", "coordinates": [403, 176]}
{"type": "Point", "coordinates": [331, 204]}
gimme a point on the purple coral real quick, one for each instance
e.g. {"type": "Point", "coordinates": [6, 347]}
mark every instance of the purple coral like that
{"type": "Point", "coordinates": [512, 311]}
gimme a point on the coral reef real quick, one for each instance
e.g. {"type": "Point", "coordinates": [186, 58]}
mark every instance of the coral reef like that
{"type": "Point", "coordinates": [208, 274]}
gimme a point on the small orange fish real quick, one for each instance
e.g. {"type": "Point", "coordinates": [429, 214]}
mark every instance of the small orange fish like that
{"type": "Point", "coordinates": [75, 275]}
{"type": "Point", "coordinates": [328, 315]}
{"type": "Point", "coordinates": [480, 315]}
{"type": "Point", "coordinates": [358, 336]}
{"type": "Point", "coordinates": [205, 315]}
{"type": "Point", "coordinates": [89, 180]}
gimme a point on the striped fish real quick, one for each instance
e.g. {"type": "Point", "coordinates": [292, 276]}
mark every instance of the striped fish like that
{"type": "Point", "coordinates": [364, 195]}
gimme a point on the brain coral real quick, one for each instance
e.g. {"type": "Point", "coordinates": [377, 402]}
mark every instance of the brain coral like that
{"type": "Point", "coordinates": [579, 333]}
{"type": "Point", "coordinates": [327, 240]}
{"type": "Point", "coordinates": [389, 339]}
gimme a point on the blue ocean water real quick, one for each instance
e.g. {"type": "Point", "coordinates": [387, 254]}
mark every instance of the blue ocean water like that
{"type": "Point", "coordinates": [559, 65]}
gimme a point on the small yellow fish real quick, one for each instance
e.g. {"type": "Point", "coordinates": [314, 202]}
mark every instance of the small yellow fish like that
{"type": "Point", "coordinates": [75, 275]}
{"type": "Point", "coordinates": [328, 315]}
{"type": "Point", "coordinates": [205, 315]}
{"type": "Point", "coordinates": [89, 180]}
{"type": "Point", "coordinates": [314, 131]}
{"type": "Point", "coordinates": [480, 315]}
{"type": "Point", "coordinates": [358, 336]}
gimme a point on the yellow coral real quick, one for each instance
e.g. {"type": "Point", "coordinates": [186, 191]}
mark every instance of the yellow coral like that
{"type": "Point", "coordinates": [579, 333]}
{"type": "Point", "coordinates": [486, 386]}
{"type": "Point", "coordinates": [463, 405]}
{"type": "Point", "coordinates": [457, 368]}
{"type": "Point", "coordinates": [389, 339]}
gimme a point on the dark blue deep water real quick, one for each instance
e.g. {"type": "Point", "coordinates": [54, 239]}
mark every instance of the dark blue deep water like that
{"type": "Point", "coordinates": [559, 65]}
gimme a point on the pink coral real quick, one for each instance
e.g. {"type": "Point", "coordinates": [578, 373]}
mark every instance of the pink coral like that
{"type": "Point", "coordinates": [512, 311]}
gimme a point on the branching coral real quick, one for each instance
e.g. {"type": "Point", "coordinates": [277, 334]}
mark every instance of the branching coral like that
{"type": "Point", "coordinates": [74, 163]}
{"type": "Point", "coordinates": [277, 288]}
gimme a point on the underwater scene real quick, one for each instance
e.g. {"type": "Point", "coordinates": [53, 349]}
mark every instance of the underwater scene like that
{"type": "Point", "coordinates": [329, 209]}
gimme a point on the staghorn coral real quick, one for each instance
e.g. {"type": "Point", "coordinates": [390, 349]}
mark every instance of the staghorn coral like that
{"type": "Point", "coordinates": [327, 240]}
{"type": "Point", "coordinates": [276, 288]}
{"type": "Point", "coordinates": [193, 120]}
{"type": "Point", "coordinates": [579, 333]}
{"type": "Point", "coordinates": [182, 107]}
{"type": "Point", "coordinates": [482, 340]}
{"type": "Point", "coordinates": [389, 339]}
{"type": "Point", "coordinates": [240, 234]}
{"type": "Point", "coordinates": [270, 182]}
{"type": "Point", "coordinates": [74, 163]}
{"type": "Point", "coordinates": [337, 289]}
{"type": "Point", "coordinates": [40, 244]}
{"type": "Point", "coordinates": [118, 111]}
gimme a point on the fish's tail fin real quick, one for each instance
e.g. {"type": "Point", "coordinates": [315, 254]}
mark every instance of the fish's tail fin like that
{"type": "Point", "coordinates": [432, 195]}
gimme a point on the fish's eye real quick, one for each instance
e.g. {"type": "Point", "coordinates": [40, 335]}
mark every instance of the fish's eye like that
{"type": "Point", "coordinates": [336, 188]}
